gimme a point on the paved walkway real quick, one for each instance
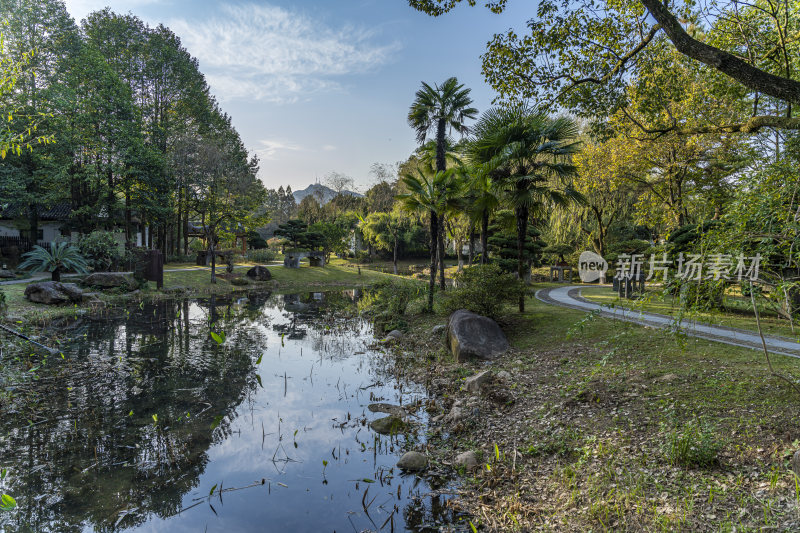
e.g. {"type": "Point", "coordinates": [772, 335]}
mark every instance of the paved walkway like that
{"type": "Point", "coordinates": [570, 296]}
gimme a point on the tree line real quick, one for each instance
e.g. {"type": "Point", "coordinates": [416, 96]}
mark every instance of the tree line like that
{"type": "Point", "coordinates": [134, 135]}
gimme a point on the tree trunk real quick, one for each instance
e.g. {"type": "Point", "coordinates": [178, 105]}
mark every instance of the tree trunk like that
{"type": "Point", "coordinates": [471, 243]}
{"type": "Point", "coordinates": [485, 237]}
{"type": "Point", "coordinates": [56, 274]}
{"type": "Point", "coordinates": [459, 245]}
{"type": "Point", "coordinates": [213, 253]}
{"type": "Point", "coordinates": [522, 231]}
{"type": "Point", "coordinates": [394, 259]}
{"type": "Point", "coordinates": [441, 161]}
{"type": "Point", "coordinates": [441, 253]}
{"type": "Point", "coordinates": [434, 238]}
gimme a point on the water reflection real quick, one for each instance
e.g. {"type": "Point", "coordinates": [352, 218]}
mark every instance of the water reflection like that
{"type": "Point", "coordinates": [147, 413]}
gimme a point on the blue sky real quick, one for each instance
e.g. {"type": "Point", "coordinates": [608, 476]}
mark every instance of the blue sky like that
{"type": "Point", "coordinates": [315, 86]}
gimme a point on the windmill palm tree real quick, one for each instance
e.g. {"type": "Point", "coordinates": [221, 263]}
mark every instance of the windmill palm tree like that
{"type": "Point", "coordinates": [428, 195]}
{"type": "Point", "coordinates": [527, 154]}
{"type": "Point", "coordinates": [482, 200]}
{"type": "Point", "coordinates": [438, 108]}
{"type": "Point", "coordinates": [60, 257]}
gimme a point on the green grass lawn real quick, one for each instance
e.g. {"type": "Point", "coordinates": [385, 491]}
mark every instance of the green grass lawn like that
{"type": "Point", "coordinates": [599, 403]}
{"type": "Point", "coordinates": [737, 313]}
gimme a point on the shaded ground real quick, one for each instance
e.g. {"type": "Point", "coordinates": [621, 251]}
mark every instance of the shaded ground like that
{"type": "Point", "coordinates": [608, 426]}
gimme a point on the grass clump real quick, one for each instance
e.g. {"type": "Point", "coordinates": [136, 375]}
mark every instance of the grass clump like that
{"type": "Point", "coordinates": [387, 301]}
{"type": "Point", "coordinates": [692, 444]}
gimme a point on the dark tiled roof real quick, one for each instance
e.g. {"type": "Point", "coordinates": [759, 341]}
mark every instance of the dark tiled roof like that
{"type": "Point", "coordinates": [57, 211]}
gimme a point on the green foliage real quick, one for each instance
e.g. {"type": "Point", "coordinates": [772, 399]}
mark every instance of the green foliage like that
{"type": "Point", "coordinates": [292, 230]}
{"type": "Point", "coordinates": [255, 241]}
{"type": "Point", "coordinates": [64, 257]}
{"type": "Point", "coordinates": [264, 255]}
{"type": "Point", "coordinates": [7, 503]}
{"type": "Point", "coordinates": [240, 282]}
{"type": "Point", "coordinates": [692, 444]}
{"type": "Point", "coordinates": [101, 250]}
{"type": "Point", "coordinates": [483, 289]}
{"type": "Point", "coordinates": [699, 295]}
{"type": "Point", "coordinates": [503, 247]}
{"type": "Point", "coordinates": [387, 301]}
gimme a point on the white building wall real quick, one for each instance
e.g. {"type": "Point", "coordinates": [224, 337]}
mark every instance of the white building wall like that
{"type": "Point", "coordinates": [7, 230]}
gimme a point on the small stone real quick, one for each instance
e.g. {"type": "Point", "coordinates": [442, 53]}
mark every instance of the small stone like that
{"type": "Point", "coordinates": [387, 408]}
{"type": "Point", "coordinates": [467, 460]}
{"type": "Point", "coordinates": [438, 330]}
{"type": "Point", "coordinates": [504, 375]}
{"type": "Point", "coordinates": [456, 414]}
{"type": "Point", "coordinates": [395, 334]}
{"type": "Point", "coordinates": [666, 378]}
{"type": "Point", "coordinates": [388, 425]}
{"type": "Point", "coordinates": [796, 462]}
{"type": "Point", "coordinates": [412, 461]}
{"type": "Point", "coordinates": [474, 383]}
{"type": "Point", "coordinates": [6, 274]}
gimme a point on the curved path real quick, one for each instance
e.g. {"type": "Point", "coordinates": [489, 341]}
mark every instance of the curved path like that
{"type": "Point", "coordinates": [570, 296]}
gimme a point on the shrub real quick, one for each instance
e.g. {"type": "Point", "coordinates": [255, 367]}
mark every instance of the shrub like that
{"type": "Point", "coordinates": [693, 444]}
{"type": "Point", "coordinates": [483, 289]}
{"type": "Point", "coordinates": [60, 257]}
{"type": "Point", "coordinates": [239, 282]}
{"type": "Point", "coordinates": [264, 255]}
{"type": "Point", "coordinates": [387, 301]}
{"type": "Point", "coordinates": [702, 295]}
{"type": "Point", "coordinates": [101, 250]}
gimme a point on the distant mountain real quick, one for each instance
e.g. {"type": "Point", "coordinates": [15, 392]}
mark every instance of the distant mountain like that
{"type": "Point", "coordinates": [322, 193]}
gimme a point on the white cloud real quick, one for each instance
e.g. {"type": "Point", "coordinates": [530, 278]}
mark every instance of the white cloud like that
{"type": "Point", "coordinates": [328, 148]}
{"type": "Point", "coordinates": [269, 147]}
{"type": "Point", "coordinates": [268, 53]}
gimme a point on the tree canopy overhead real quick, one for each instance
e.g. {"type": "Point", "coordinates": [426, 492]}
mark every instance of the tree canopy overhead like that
{"type": "Point", "coordinates": [583, 55]}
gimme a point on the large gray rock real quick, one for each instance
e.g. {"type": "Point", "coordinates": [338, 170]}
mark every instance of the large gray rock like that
{"type": "Point", "coordinates": [412, 461]}
{"type": "Point", "coordinates": [6, 274]}
{"type": "Point", "coordinates": [796, 462]}
{"type": "Point", "coordinates": [259, 273]}
{"type": "Point", "coordinates": [53, 292]}
{"type": "Point", "coordinates": [110, 280]}
{"type": "Point", "coordinates": [471, 335]}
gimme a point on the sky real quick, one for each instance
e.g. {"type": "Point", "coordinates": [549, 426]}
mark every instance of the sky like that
{"type": "Point", "coordinates": [317, 86]}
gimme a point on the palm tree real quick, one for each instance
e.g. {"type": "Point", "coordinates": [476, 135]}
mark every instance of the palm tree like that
{"type": "Point", "coordinates": [482, 201]}
{"type": "Point", "coordinates": [526, 153]}
{"type": "Point", "coordinates": [440, 107]}
{"type": "Point", "coordinates": [61, 256]}
{"type": "Point", "coordinates": [428, 195]}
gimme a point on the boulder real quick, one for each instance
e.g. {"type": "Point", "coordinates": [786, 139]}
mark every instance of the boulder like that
{"type": "Point", "coordinates": [6, 274]}
{"type": "Point", "coordinates": [388, 425]}
{"type": "Point", "coordinates": [472, 335]}
{"type": "Point", "coordinates": [796, 462]}
{"type": "Point", "coordinates": [387, 408]}
{"type": "Point", "coordinates": [259, 273]}
{"type": "Point", "coordinates": [53, 292]}
{"type": "Point", "coordinates": [412, 461]}
{"type": "Point", "coordinates": [394, 335]}
{"type": "Point", "coordinates": [467, 460]}
{"type": "Point", "coordinates": [474, 383]}
{"type": "Point", "coordinates": [110, 280]}
{"type": "Point", "coordinates": [504, 375]}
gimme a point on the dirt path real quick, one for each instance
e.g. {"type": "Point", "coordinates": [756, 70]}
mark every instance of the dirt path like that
{"type": "Point", "coordinates": [570, 296]}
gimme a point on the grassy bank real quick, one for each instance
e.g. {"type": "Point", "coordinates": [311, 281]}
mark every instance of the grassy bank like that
{"type": "Point", "coordinates": [609, 426]}
{"type": "Point", "coordinates": [737, 313]}
{"type": "Point", "coordinates": [196, 281]}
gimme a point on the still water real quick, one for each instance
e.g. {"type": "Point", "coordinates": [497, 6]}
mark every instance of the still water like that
{"type": "Point", "coordinates": [148, 424]}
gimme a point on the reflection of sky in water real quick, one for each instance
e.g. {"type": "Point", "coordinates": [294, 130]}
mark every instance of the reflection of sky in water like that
{"type": "Point", "coordinates": [318, 381]}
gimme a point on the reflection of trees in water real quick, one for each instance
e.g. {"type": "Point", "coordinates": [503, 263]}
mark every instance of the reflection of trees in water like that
{"type": "Point", "coordinates": [92, 456]}
{"type": "Point", "coordinates": [92, 452]}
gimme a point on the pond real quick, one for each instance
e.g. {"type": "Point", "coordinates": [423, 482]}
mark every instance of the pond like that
{"type": "Point", "coordinates": [149, 423]}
